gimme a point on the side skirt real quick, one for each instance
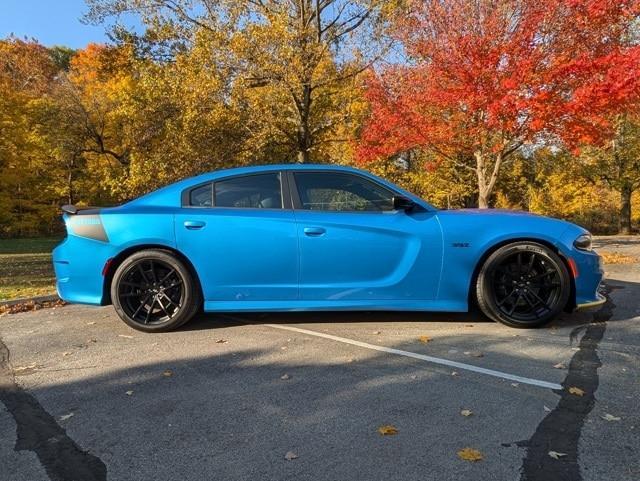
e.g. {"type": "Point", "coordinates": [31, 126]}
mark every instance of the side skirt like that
{"type": "Point", "coordinates": [315, 305]}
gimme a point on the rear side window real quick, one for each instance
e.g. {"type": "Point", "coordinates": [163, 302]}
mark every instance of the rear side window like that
{"type": "Point", "coordinates": [331, 191]}
{"type": "Point", "coordinates": [201, 196]}
{"type": "Point", "coordinates": [260, 191]}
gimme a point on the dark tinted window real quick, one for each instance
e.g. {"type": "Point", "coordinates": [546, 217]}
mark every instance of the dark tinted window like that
{"type": "Point", "coordinates": [341, 192]}
{"type": "Point", "coordinates": [261, 191]}
{"type": "Point", "coordinates": [201, 196]}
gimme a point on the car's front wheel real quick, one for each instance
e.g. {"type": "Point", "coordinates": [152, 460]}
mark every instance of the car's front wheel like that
{"type": "Point", "coordinates": [523, 284]}
{"type": "Point", "coordinates": [154, 291]}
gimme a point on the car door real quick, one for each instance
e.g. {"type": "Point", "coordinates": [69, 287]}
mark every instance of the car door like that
{"type": "Point", "coordinates": [240, 235]}
{"type": "Point", "coordinates": [355, 247]}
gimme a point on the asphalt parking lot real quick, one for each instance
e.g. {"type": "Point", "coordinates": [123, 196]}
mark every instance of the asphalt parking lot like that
{"type": "Point", "coordinates": [303, 396]}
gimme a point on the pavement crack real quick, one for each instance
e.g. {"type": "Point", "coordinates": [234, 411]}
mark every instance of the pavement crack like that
{"type": "Point", "coordinates": [38, 431]}
{"type": "Point", "coordinates": [560, 430]}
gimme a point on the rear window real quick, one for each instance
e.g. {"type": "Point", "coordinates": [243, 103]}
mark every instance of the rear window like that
{"type": "Point", "coordinates": [201, 196]}
{"type": "Point", "coordinates": [260, 191]}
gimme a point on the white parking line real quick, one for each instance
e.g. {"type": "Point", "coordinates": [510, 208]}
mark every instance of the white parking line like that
{"type": "Point", "coordinates": [422, 357]}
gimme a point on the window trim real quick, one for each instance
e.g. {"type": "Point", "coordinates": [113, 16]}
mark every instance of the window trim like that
{"type": "Point", "coordinates": [285, 196]}
{"type": "Point", "coordinates": [297, 202]}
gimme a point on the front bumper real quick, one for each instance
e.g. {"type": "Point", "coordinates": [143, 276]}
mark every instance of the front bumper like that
{"type": "Point", "coordinates": [590, 272]}
{"type": "Point", "coordinates": [600, 299]}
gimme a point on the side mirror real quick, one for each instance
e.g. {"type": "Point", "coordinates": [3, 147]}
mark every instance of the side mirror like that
{"type": "Point", "coordinates": [403, 203]}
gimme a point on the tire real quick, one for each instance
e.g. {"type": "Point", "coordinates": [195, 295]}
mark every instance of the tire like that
{"type": "Point", "coordinates": [154, 291]}
{"type": "Point", "coordinates": [523, 285]}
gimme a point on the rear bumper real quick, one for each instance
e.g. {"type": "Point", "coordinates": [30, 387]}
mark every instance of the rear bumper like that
{"type": "Point", "coordinates": [78, 264]}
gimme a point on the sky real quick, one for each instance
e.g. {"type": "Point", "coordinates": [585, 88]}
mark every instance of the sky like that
{"type": "Point", "coordinates": [51, 22]}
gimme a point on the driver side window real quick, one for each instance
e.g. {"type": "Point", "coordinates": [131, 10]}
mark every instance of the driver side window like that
{"type": "Point", "coordinates": [329, 191]}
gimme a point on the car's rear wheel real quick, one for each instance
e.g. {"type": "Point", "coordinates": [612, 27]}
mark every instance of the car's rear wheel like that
{"type": "Point", "coordinates": [154, 291]}
{"type": "Point", "coordinates": [523, 284]}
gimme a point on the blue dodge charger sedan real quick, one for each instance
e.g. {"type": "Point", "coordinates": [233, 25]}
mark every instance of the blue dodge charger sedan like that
{"type": "Point", "coordinates": [318, 237]}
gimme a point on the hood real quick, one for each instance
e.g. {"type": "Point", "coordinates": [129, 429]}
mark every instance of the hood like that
{"type": "Point", "coordinates": [488, 212]}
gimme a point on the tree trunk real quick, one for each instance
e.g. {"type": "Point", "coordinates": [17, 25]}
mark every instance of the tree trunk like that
{"type": "Point", "coordinates": [70, 195]}
{"type": "Point", "coordinates": [304, 131]}
{"type": "Point", "coordinates": [303, 156]}
{"type": "Point", "coordinates": [483, 197]}
{"type": "Point", "coordinates": [486, 180]}
{"type": "Point", "coordinates": [625, 210]}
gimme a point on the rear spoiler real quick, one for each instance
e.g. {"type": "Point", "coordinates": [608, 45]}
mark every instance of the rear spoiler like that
{"type": "Point", "coordinates": [73, 210]}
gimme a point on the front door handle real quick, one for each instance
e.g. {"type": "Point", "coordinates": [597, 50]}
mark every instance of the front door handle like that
{"type": "Point", "coordinates": [314, 231]}
{"type": "Point", "coordinates": [194, 224]}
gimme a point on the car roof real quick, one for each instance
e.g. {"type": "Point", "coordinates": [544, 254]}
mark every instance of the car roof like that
{"type": "Point", "coordinates": [271, 167]}
{"type": "Point", "coordinates": [167, 195]}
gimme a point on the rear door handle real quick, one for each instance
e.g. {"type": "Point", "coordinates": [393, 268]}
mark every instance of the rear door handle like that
{"type": "Point", "coordinates": [194, 224]}
{"type": "Point", "coordinates": [314, 231]}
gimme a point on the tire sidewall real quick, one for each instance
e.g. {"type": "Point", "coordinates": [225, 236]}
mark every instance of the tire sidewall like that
{"type": "Point", "coordinates": [484, 289]}
{"type": "Point", "coordinates": [190, 301]}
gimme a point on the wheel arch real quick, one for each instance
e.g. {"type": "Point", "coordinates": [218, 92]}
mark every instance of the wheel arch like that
{"type": "Point", "coordinates": [471, 296]}
{"type": "Point", "coordinates": [115, 262]}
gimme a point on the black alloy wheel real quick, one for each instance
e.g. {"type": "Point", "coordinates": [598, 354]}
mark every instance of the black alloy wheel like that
{"type": "Point", "coordinates": [153, 291]}
{"type": "Point", "coordinates": [523, 285]}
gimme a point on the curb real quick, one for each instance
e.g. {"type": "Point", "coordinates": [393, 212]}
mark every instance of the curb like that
{"type": "Point", "coordinates": [24, 300]}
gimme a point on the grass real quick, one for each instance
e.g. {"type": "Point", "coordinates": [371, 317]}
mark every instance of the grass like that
{"type": "Point", "coordinates": [25, 267]}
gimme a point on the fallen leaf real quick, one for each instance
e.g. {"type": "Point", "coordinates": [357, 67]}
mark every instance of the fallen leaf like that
{"type": "Point", "coordinates": [25, 368]}
{"type": "Point", "coordinates": [576, 390]}
{"type": "Point", "coordinates": [129, 393]}
{"type": "Point", "coordinates": [221, 341]}
{"type": "Point", "coordinates": [290, 455]}
{"type": "Point", "coordinates": [610, 417]}
{"type": "Point", "coordinates": [466, 412]}
{"type": "Point", "coordinates": [617, 258]}
{"type": "Point", "coordinates": [556, 454]}
{"type": "Point", "coordinates": [474, 353]}
{"type": "Point", "coordinates": [388, 430]}
{"type": "Point", "coordinates": [167, 373]}
{"type": "Point", "coordinates": [424, 339]}
{"type": "Point", "coordinates": [560, 365]}
{"type": "Point", "coordinates": [285, 377]}
{"type": "Point", "coordinates": [64, 417]}
{"type": "Point", "coordinates": [125, 336]}
{"type": "Point", "coordinates": [470, 454]}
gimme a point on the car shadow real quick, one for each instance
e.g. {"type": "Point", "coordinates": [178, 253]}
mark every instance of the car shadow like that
{"type": "Point", "coordinates": [204, 321]}
{"type": "Point", "coordinates": [211, 320]}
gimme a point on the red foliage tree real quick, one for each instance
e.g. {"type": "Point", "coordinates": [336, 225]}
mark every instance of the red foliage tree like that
{"type": "Point", "coordinates": [485, 77]}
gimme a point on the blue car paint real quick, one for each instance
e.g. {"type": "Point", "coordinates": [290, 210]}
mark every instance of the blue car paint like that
{"type": "Point", "coordinates": [262, 259]}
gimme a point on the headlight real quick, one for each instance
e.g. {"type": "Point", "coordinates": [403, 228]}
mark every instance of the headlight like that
{"type": "Point", "coordinates": [583, 242]}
